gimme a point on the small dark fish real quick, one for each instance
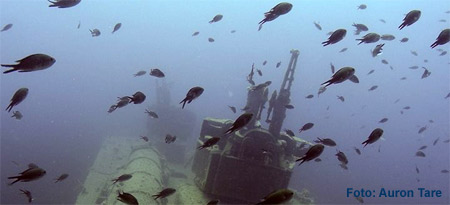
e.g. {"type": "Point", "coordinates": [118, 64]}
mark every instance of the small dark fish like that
{"type": "Point", "coordinates": [384, 61]}
{"type": "Point", "coordinates": [360, 199]}
{"type": "Point", "coordinates": [27, 194]}
{"type": "Point", "coordinates": [192, 94]}
{"type": "Point", "coordinates": [7, 27]}
{"type": "Point", "coordinates": [240, 122]}
{"type": "Point", "coordinates": [387, 37]}
{"type": "Point", "coordinates": [259, 72]}
{"type": "Point", "coordinates": [435, 141]}
{"type": "Point", "coordinates": [417, 170]}
{"type": "Point", "coordinates": [312, 153]}
{"type": "Point", "coordinates": [306, 126]}
{"type": "Point", "coordinates": [317, 25]}
{"type": "Point", "coordinates": [309, 96]}
{"type": "Point", "coordinates": [335, 37]}
{"type": "Point", "coordinates": [414, 53]}
{"type": "Point", "coordinates": [62, 177]}
{"type": "Point", "coordinates": [279, 196]}
{"type": "Point", "coordinates": [79, 25]}
{"type": "Point", "coordinates": [425, 60]}
{"type": "Point", "coordinates": [404, 40]}
{"type": "Point", "coordinates": [17, 98]}
{"type": "Point", "coordinates": [17, 115]}
{"type": "Point", "coordinates": [374, 136]}
{"type": "Point", "coordinates": [410, 18]}
{"type": "Point", "coordinates": [211, 40]}
{"type": "Point", "coordinates": [383, 120]}
{"type": "Point", "coordinates": [321, 90]}
{"type": "Point", "coordinates": [233, 109]}
{"type": "Point", "coordinates": [343, 74]}
{"type": "Point", "coordinates": [233, 31]}
{"type": "Point", "coordinates": [403, 78]}
{"type": "Point", "coordinates": [195, 33]}
{"type": "Point", "coordinates": [369, 38]}
{"type": "Point", "coordinates": [278, 64]}
{"type": "Point", "coordinates": [289, 132]}
{"type": "Point", "coordinates": [145, 138]}
{"type": "Point", "coordinates": [343, 50]}
{"type": "Point", "coordinates": [332, 68]}
{"type": "Point", "coordinates": [446, 141]}
{"type": "Point", "coordinates": [406, 107]}
{"type": "Point", "coordinates": [341, 98]}
{"type": "Point", "coordinates": [382, 20]}
{"type": "Point", "coordinates": [442, 20]}
{"type": "Point", "coordinates": [275, 12]}
{"type": "Point", "coordinates": [63, 3]}
{"type": "Point", "coordinates": [127, 198]}
{"type": "Point", "coordinates": [164, 193]}
{"type": "Point", "coordinates": [317, 160]}
{"type": "Point", "coordinates": [95, 32]}
{"type": "Point", "coordinates": [362, 6]}
{"type": "Point", "coordinates": [265, 62]}
{"type": "Point", "coordinates": [157, 73]}
{"type": "Point", "coordinates": [326, 141]}
{"type": "Point", "coordinates": [122, 178]}
{"type": "Point", "coordinates": [137, 98]}
{"type": "Point", "coordinates": [32, 173]}
{"type": "Point", "coordinates": [31, 63]}
{"type": "Point", "coordinates": [261, 86]}
{"type": "Point", "coordinates": [443, 53]}
{"type": "Point", "coordinates": [443, 38]}
{"type": "Point", "coordinates": [117, 27]}
{"type": "Point", "coordinates": [216, 18]}
{"type": "Point", "coordinates": [342, 158]}
{"type": "Point", "coordinates": [379, 148]}
{"type": "Point", "coordinates": [209, 143]}
{"type": "Point", "coordinates": [357, 151]}
{"type": "Point", "coordinates": [413, 67]}
{"type": "Point", "coordinates": [170, 139]}
{"type": "Point", "coordinates": [373, 87]}
{"type": "Point", "coordinates": [140, 73]}
{"type": "Point", "coordinates": [289, 106]}
{"type": "Point", "coordinates": [377, 50]}
{"type": "Point", "coordinates": [420, 154]}
{"type": "Point", "coordinates": [370, 72]}
{"type": "Point", "coordinates": [426, 73]}
{"type": "Point", "coordinates": [447, 96]}
{"type": "Point", "coordinates": [213, 202]}
{"type": "Point", "coordinates": [423, 147]}
{"type": "Point", "coordinates": [343, 166]}
{"type": "Point", "coordinates": [151, 113]}
{"type": "Point", "coordinates": [445, 171]}
{"type": "Point", "coordinates": [422, 129]}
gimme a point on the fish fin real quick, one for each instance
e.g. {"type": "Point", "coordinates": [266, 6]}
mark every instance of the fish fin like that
{"type": "Point", "coordinates": [354, 79]}
{"type": "Point", "coordinates": [184, 102]}
{"type": "Point", "coordinates": [9, 71]}
{"type": "Point", "coordinates": [10, 65]}
{"type": "Point", "coordinates": [15, 177]}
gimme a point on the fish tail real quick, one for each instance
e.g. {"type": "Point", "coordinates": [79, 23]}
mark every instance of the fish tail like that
{"type": "Point", "coordinates": [15, 177]}
{"type": "Point", "coordinates": [10, 106]}
{"type": "Point", "coordinates": [432, 45]}
{"type": "Point", "coordinates": [8, 65]}
{"type": "Point", "coordinates": [9, 71]}
{"type": "Point", "coordinates": [184, 103]}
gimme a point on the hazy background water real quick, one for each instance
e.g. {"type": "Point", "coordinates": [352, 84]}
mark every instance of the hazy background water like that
{"type": "Point", "coordinates": [65, 114]}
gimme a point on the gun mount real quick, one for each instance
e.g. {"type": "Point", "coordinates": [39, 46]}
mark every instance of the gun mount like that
{"type": "Point", "coordinates": [253, 155]}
